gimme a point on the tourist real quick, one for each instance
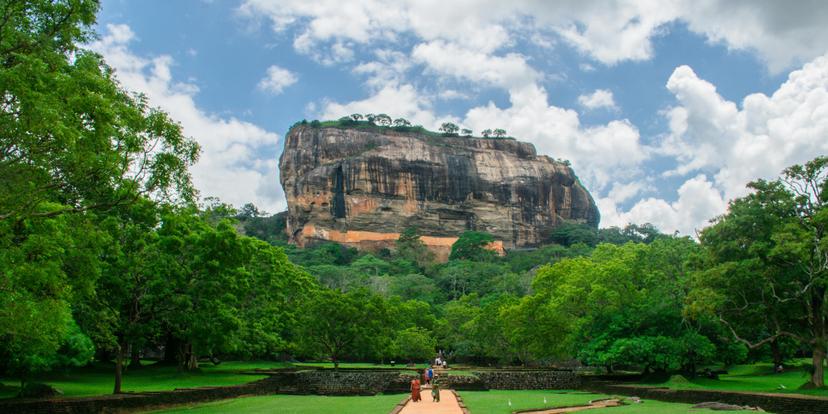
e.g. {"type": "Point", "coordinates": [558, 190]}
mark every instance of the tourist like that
{"type": "Point", "coordinates": [415, 389]}
{"type": "Point", "coordinates": [430, 373]}
{"type": "Point", "coordinates": [435, 391]}
{"type": "Point", "coordinates": [445, 364]}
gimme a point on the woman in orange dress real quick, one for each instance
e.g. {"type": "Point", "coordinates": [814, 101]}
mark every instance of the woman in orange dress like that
{"type": "Point", "coordinates": [415, 389]}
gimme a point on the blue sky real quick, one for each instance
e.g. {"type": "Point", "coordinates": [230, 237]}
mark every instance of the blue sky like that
{"type": "Point", "coordinates": [665, 109]}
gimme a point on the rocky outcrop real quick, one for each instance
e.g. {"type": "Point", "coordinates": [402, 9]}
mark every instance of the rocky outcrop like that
{"type": "Point", "coordinates": [363, 186]}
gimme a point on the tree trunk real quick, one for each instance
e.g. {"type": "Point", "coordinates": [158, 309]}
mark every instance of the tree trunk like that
{"type": "Point", "coordinates": [135, 358]}
{"type": "Point", "coordinates": [777, 354]}
{"type": "Point", "coordinates": [119, 368]}
{"type": "Point", "coordinates": [189, 360]}
{"type": "Point", "coordinates": [818, 377]}
{"type": "Point", "coordinates": [171, 350]}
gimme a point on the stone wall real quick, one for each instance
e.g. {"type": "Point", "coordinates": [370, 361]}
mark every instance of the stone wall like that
{"type": "Point", "coordinates": [530, 379]}
{"type": "Point", "coordinates": [775, 403]}
{"type": "Point", "coordinates": [463, 383]}
{"type": "Point", "coordinates": [351, 382]}
{"type": "Point", "coordinates": [142, 401]}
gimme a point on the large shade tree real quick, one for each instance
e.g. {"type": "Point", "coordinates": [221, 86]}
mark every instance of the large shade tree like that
{"type": "Point", "coordinates": [74, 147]}
{"type": "Point", "coordinates": [766, 275]}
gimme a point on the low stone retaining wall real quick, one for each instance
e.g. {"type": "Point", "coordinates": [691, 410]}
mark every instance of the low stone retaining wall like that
{"type": "Point", "coordinates": [530, 380]}
{"type": "Point", "coordinates": [463, 383]}
{"type": "Point", "coordinates": [351, 382]}
{"type": "Point", "coordinates": [141, 401]}
{"type": "Point", "coordinates": [775, 403]}
{"type": "Point", "coordinates": [321, 381]}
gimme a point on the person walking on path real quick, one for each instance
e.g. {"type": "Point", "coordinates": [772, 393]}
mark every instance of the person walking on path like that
{"type": "Point", "coordinates": [430, 373]}
{"type": "Point", "coordinates": [415, 390]}
{"type": "Point", "coordinates": [435, 391]}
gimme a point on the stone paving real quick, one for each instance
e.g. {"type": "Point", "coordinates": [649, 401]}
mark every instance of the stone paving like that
{"type": "Point", "coordinates": [447, 405]}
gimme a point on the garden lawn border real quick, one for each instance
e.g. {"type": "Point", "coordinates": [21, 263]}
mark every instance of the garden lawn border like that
{"type": "Point", "coordinates": [460, 402]}
{"type": "Point", "coordinates": [776, 403]}
{"type": "Point", "coordinates": [397, 408]}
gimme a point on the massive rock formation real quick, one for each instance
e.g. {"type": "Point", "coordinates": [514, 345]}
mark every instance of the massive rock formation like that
{"type": "Point", "coordinates": [363, 186]}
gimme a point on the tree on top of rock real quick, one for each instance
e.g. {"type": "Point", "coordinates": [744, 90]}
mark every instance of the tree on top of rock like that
{"type": "Point", "coordinates": [401, 122]}
{"type": "Point", "coordinates": [382, 120]}
{"type": "Point", "coordinates": [449, 129]}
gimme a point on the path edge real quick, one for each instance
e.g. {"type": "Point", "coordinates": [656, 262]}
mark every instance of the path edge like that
{"type": "Point", "coordinates": [400, 405]}
{"type": "Point", "coordinates": [460, 402]}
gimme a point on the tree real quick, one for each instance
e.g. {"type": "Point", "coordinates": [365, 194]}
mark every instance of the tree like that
{"type": "Point", "coordinates": [622, 307]}
{"type": "Point", "coordinates": [248, 211]}
{"type": "Point", "coordinates": [644, 233]}
{"type": "Point", "coordinates": [356, 117]}
{"type": "Point", "coordinates": [471, 245]}
{"type": "Point", "coordinates": [568, 234]}
{"type": "Point", "coordinates": [370, 265]}
{"type": "Point", "coordinates": [449, 129]}
{"type": "Point", "coordinates": [454, 334]}
{"type": "Point", "coordinates": [415, 344]}
{"type": "Point", "coordinates": [768, 261]}
{"type": "Point", "coordinates": [47, 263]}
{"type": "Point", "coordinates": [460, 277]}
{"type": "Point", "coordinates": [418, 287]}
{"type": "Point", "coordinates": [272, 301]}
{"type": "Point", "coordinates": [340, 325]}
{"type": "Point", "coordinates": [466, 132]}
{"type": "Point", "coordinates": [118, 317]}
{"type": "Point", "coordinates": [382, 120]}
{"type": "Point", "coordinates": [499, 133]}
{"type": "Point", "coordinates": [401, 122]}
{"type": "Point", "coordinates": [202, 269]}
{"type": "Point", "coordinates": [486, 133]}
{"type": "Point", "coordinates": [410, 247]}
{"type": "Point", "coordinates": [77, 138]}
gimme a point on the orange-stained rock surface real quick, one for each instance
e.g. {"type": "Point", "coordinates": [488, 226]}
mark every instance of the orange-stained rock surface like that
{"type": "Point", "coordinates": [362, 187]}
{"type": "Point", "coordinates": [441, 246]}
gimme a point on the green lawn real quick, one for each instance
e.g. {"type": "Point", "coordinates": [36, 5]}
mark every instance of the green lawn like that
{"type": "Point", "coordinates": [355, 365]}
{"type": "Point", "coordinates": [296, 404]}
{"type": "Point", "coordinates": [99, 379]}
{"type": "Point", "coordinates": [756, 378]}
{"type": "Point", "coordinates": [497, 402]}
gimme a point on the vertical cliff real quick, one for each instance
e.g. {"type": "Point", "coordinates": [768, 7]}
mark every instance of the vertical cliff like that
{"type": "Point", "coordinates": [363, 186]}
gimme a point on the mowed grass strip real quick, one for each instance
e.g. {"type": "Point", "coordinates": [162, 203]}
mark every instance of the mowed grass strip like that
{"type": "Point", "coordinates": [296, 404]}
{"type": "Point", "coordinates": [99, 378]}
{"type": "Point", "coordinates": [752, 378]}
{"type": "Point", "coordinates": [497, 402]}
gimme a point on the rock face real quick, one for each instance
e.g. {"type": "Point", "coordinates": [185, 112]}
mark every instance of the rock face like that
{"type": "Point", "coordinates": [362, 187]}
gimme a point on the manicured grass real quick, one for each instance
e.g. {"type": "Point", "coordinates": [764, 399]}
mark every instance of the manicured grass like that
{"type": "Point", "coordinates": [296, 404]}
{"type": "Point", "coordinates": [657, 407]}
{"type": "Point", "coordinates": [755, 378]}
{"type": "Point", "coordinates": [355, 365]}
{"type": "Point", "coordinates": [497, 402]}
{"type": "Point", "coordinates": [99, 379]}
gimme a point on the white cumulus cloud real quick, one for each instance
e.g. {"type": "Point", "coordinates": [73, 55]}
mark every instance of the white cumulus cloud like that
{"type": "Point", "coordinates": [238, 160]}
{"type": "Point", "coordinates": [780, 33]}
{"type": "Point", "coordinates": [600, 98]}
{"type": "Point", "coordinates": [276, 80]}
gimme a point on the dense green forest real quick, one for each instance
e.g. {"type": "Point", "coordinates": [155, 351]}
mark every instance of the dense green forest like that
{"type": "Point", "coordinates": [107, 253]}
